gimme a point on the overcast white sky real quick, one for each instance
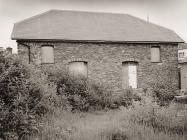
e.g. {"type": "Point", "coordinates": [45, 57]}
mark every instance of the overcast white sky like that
{"type": "Point", "coordinates": [168, 13]}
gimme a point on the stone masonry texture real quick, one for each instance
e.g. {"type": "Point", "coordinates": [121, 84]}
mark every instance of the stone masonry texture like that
{"type": "Point", "coordinates": [105, 60]}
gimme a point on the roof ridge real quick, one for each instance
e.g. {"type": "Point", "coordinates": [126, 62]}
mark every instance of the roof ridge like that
{"type": "Point", "coordinates": [67, 10]}
{"type": "Point", "coordinates": [85, 11]}
{"type": "Point", "coordinates": [34, 16]}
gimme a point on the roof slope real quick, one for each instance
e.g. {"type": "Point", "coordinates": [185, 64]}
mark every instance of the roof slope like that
{"type": "Point", "coordinates": [91, 26]}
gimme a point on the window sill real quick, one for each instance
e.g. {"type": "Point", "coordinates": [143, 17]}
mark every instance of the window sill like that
{"type": "Point", "coordinates": [157, 63]}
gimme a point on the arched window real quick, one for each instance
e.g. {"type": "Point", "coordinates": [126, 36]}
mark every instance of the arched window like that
{"type": "Point", "coordinates": [155, 54]}
{"type": "Point", "coordinates": [129, 74]}
{"type": "Point", "coordinates": [47, 54]}
{"type": "Point", "coordinates": [78, 68]}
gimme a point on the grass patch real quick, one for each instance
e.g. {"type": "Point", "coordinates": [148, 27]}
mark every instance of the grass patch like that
{"type": "Point", "coordinates": [114, 125]}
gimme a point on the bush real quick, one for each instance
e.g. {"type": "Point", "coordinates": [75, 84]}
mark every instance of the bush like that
{"type": "Point", "coordinates": [82, 95]}
{"type": "Point", "coordinates": [170, 119]}
{"type": "Point", "coordinates": [163, 93]}
{"type": "Point", "coordinates": [126, 99]}
{"type": "Point", "coordinates": [25, 96]}
{"type": "Point", "coordinates": [163, 86]}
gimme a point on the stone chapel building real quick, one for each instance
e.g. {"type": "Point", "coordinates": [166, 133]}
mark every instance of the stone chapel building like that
{"type": "Point", "coordinates": [116, 49]}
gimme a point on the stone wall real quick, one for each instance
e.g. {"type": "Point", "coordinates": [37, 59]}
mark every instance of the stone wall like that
{"type": "Point", "coordinates": [105, 60]}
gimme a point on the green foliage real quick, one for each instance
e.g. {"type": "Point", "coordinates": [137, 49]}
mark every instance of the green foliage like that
{"type": "Point", "coordinates": [24, 98]}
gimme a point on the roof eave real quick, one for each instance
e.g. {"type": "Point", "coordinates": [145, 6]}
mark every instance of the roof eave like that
{"type": "Point", "coordinates": [94, 41]}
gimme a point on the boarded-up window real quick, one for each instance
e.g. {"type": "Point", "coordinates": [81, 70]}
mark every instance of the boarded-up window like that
{"type": "Point", "coordinates": [155, 54]}
{"type": "Point", "coordinates": [129, 75]}
{"type": "Point", "coordinates": [47, 54]}
{"type": "Point", "coordinates": [78, 68]}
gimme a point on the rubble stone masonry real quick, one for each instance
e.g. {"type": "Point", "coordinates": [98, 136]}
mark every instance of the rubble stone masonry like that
{"type": "Point", "coordinates": [105, 60]}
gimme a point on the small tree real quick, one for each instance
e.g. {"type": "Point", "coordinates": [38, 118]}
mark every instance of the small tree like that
{"type": "Point", "coordinates": [24, 97]}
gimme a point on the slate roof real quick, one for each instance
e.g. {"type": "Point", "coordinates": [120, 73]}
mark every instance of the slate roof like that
{"type": "Point", "coordinates": [91, 26]}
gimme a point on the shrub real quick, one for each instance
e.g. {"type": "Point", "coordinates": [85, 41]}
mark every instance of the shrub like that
{"type": "Point", "coordinates": [170, 119]}
{"type": "Point", "coordinates": [163, 93]}
{"type": "Point", "coordinates": [126, 99]}
{"type": "Point", "coordinates": [165, 88]}
{"type": "Point", "coordinates": [82, 95]}
{"type": "Point", "coordinates": [25, 96]}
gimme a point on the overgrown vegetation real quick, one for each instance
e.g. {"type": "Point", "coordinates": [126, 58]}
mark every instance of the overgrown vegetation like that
{"type": "Point", "coordinates": [126, 99]}
{"type": "Point", "coordinates": [169, 119]}
{"type": "Point", "coordinates": [24, 97]}
{"type": "Point", "coordinates": [82, 95]}
{"type": "Point", "coordinates": [34, 105]}
{"type": "Point", "coordinates": [144, 120]}
{"type": "Point", "coordinates": [164, 89]}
